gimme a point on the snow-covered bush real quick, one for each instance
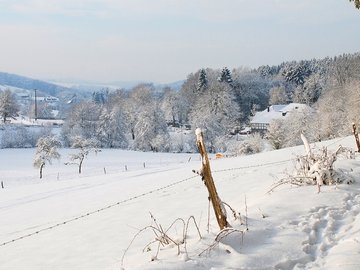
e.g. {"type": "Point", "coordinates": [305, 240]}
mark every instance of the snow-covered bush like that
{"type": "Point", "coordinates": [316, 167]}
{"type": "Point", "coordinates": [252, 145]}
{"type": "Point", "coordinates": [182, 142]}
{"type": "Point", "coordinates": [21, 137]}
{"type": "Point", "coordinates": [276, 134]}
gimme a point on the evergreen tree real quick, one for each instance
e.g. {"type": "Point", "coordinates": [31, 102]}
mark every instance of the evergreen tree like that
{"type": "Point", "coordinates": [297, 72]}
{"type": "Point", "coordinates": [225, 76]}
{"type": "Point", "coordinates": [100, 97]}
{"type": "Point", "coordinates": [202, 81]}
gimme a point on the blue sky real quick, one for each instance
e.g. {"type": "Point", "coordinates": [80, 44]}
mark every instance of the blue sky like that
{"type": "Point", "coordinates": [165, 40]}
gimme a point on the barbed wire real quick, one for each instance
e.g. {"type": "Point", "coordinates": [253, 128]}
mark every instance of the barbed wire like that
{"type": "Point", "coordinates": [96, 211]}
{"type": "Point", "coordinates": [131, 199]}
{"type": "Point", "coordinates": [254, 166]}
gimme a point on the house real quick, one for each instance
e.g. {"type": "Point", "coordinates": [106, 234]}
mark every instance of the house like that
{"type": "Point", "coordinates": [261, 120]}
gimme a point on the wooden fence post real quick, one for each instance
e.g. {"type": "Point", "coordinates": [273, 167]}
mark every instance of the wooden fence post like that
{"type": "Point", "coordinates": [356, 135]}
{"type": "Point", "coordinates": [209, 182]}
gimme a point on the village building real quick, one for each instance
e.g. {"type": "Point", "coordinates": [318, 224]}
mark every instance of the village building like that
{"type": "Point", "coordinates": [261, 120]}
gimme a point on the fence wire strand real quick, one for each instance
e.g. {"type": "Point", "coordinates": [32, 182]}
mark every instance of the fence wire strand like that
{"type": "Point", "coordinates": [134, 198]}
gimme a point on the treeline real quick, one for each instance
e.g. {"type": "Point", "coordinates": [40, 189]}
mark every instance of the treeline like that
{"type": "Point", "coordinates": [220, 101]}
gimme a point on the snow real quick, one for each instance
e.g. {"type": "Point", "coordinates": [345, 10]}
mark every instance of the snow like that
{"type": "Point", "coordinates": [278, 112]}
{"type": "Point", "coordinates": [290, 228]}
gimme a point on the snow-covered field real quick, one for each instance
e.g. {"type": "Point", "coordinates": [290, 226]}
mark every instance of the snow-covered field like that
{"type": "Point", "coordinates": [70, 221]}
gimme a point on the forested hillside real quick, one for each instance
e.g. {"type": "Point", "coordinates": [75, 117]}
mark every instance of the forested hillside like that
{"type": "Point", "coordinates": [221, 101]}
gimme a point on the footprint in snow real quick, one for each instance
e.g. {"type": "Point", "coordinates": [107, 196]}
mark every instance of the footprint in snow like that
{"type": "Point", "coordinates": [322, 225]}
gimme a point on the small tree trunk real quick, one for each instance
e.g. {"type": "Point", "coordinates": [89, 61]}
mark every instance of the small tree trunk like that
{"type": "Point", "coordinates": [80, 164]}
{"type": "Point", "coordinates": [41, 169]}
{"type": "Point", "coordinates": [209, 182]}
{"type": "Point", "coordinates": [356, 135]}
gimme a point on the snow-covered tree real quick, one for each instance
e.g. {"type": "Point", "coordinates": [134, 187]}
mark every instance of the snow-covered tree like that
{"type": "Point", "coordinates": [250, 89]}
{"type": "Point", "coordinates": [111, 128]}
{"type": "Point", "coordinates": [8, 105]}
{"type": "Point", "coordinates": [151, 130]}
{"type": "Point", "coordinates": [202, 81]}
{"type": "Point", "coordinates": [297, 123]}
{"type": "Point", "coordinates": [100, 97]}
{"type": "Point", "coordinates": [44, 111]}
{"type": "Point", "coordinates": [170, 105]}
{"type": "Point", "coordinates": [354, 101]}
{"type": "Point", "coordinates": [140, 98]}
{"type": "Point", "coordinates": [297, 72]}
{"type": "Point", "coordinates": [82, 120]}
{"type": "Point", "coordinates": [332, 114]}
{"type": "Point", "coordinates": [85, 147]}
{"type": "Point", "coordinates": [310, 91]}
{"type": "Point", "coordinates": [46, 151]}
{"type": "Point", "coordinates": [278, 95]}
{"type": "Point", "coordinates": [216, 112]}
{"type": "Point", "coordinates": [276, 133]}
{"type": "Point", "coordinates": [225, 76]}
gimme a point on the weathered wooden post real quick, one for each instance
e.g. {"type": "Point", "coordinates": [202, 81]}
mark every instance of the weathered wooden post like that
{"type": "Point", "coordinates": [356, 135]}
{"type": "Point", "coordinates": [209, 182]}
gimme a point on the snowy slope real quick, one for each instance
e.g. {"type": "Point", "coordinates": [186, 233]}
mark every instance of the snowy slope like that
{"type": "Point", "coordinates": [67, 221]}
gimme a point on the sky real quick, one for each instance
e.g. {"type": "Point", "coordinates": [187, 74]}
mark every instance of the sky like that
{"type": "Point", "coordinates": [165, 40]}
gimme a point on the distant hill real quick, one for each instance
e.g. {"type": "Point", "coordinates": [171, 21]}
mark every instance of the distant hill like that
{"type": "Point", "coordinates": [174, 85]}
{"type": "Point", "coordinates": [55, 88]}
{"type": "Point", "coordinates": [31, 84]}
{"type": "Point", "coordinates": [127, 85]}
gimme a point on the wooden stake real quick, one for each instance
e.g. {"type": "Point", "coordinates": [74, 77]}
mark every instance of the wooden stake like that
{"type": "Point", "coordinates": [356, 135]}
{"type": "Point", "coordinates": [209, 182]}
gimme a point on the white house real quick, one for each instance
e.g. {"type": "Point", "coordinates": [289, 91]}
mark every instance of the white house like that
{"type": "Point", "coordinates": [261, 120]}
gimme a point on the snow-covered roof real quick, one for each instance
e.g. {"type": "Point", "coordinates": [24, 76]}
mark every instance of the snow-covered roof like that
{"type": "Point", "coordinates": [277, 112]}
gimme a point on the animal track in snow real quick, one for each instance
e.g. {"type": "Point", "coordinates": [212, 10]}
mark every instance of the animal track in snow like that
{"type": "Point", "coordinates": [322, 226]}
